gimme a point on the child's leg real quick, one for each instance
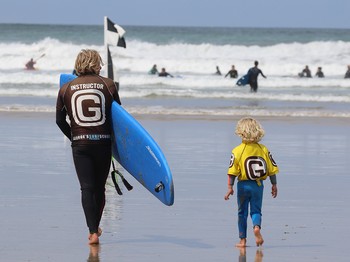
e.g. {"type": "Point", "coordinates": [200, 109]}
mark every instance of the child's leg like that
{"type": "Point", "coordinates": [242, 202]}
{"type": "Point", "coordinates": [256, 203]}
{"type": "Point", "coordinates": [255, 212]}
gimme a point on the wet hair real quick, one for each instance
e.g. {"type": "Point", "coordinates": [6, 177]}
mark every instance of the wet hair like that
{"type": "Point", "coordinates": [88, 62]}
{"type": "Point", "coordinates": [249, 130]}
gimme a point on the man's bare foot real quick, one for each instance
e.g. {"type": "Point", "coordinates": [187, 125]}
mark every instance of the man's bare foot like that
{"type": "Point", "coordinates": [258, 237]}
{"type": "Point", "coordinates": [99, 232]}
{"type": "Point", "coordinates": [242, 243]}
{"type": "Point", "coordinates": [93, 239]}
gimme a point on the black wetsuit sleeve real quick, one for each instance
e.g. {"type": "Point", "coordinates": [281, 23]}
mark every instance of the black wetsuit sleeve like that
{"type": "Point", "coordinates": [262, 74]}
{"type": "Point", "coordinates": [273, 179]}
{"type": "Point", "coordinates": [231, 180]}
{"type": "Point", "coordinates": [62, 123]}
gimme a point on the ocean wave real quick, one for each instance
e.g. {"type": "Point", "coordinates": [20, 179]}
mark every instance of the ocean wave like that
{"type": "Point", "coordinates": [284, 59]}
{"type": "Point", "coordinates": [192, 65]}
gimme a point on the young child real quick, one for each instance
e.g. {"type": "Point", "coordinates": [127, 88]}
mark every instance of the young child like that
{"type": "Point", "coordinates": [252, 163]}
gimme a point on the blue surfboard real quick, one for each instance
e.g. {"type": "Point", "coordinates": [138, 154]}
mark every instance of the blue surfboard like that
{"type": "Point", "coordinates": [244, 80]}
{"type": "Point", "coordinates": [138, 153]}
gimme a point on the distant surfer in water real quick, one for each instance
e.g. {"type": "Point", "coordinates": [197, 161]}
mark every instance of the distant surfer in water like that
{"type": "Point", "coordinates": [347, 74]}
{"type": "Point", "coordinates": [87, 101]}
{"type": "Point", "coordinates": [251, 162]}
{"type": "Point", "coordinates": [253, 77]}
{"type": "Point", "coordinates": [319, 72]}
{"type": "Point", "coordinates": [164, 73]}
{"type": "Point", "coordinates": [153, 70]}
{"type": "Point", "coordinates": [233, 72]}
{"type": "Point", "coordinates": [306, 72]}
{"type": "Point", "coordinates": [218, 72]}
{"type": "Point", "coordinates": [30, 64]}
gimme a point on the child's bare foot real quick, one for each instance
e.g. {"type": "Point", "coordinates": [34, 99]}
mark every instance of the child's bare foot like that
{"type": "Point", "coordinates": [258, 237]}
{"type": "Point", "coordinates": [93, 239]}
{"type": "Point", "coordinates": [242, 253]}
{"type": "Point", "coordinates": [242, 243]}
{"type": "Point", "coordinates": [259, 255]}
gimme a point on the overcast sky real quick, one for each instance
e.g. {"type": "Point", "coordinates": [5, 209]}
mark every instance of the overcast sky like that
{"type": "Point", "coordinates": [226, 13]}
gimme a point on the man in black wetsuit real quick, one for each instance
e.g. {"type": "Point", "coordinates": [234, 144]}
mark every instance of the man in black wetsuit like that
{"type": "Point", "coordinates": [164, 73]}
{"type": "Point", "coordinates": [253, 77]}
{"type": "Point", "coordinates": [87, 101]}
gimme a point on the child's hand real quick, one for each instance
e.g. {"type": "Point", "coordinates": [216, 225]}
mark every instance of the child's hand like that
{"type": "Point", "coordinates": [229, 192]}
{"type": "Point", "coordinates": [274, 191]}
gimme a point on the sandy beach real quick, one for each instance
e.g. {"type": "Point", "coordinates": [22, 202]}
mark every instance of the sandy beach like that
{"type": "Point", "coordinates": [42, 218]}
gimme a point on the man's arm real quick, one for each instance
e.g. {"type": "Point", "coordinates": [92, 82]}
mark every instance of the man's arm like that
{"type": "Point", "coordinates": [62, 123]}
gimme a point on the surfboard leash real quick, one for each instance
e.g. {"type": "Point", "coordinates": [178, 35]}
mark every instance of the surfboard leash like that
{"type": "Point", "coordinates": [116, 172]}
{"type": "Point", "coordinates": [117, 188]}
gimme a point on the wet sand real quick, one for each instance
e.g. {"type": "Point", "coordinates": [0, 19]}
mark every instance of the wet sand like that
{"type": "Point", "coordinates": [42, 218]}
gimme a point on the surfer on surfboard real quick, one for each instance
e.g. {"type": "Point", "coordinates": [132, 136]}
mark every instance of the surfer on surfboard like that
{"type": "Point", "coordinates": [30, 64]}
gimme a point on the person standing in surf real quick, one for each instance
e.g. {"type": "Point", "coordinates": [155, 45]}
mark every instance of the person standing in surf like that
{"type": "Point", "coordinates": [347, 74]}
{"type": "Point", "coordinates": [233, 73]}
{"type": "Point", "coordinates": [87, 102]}
{"type": "Point", "coordinates": [306, 72]}
{"type": "Point", "coordinates": [218, 72]}
{"type": "Point", "coordinates": [251, 162]}
{"type": "Point", "coordinates": [153, 70]}
{"type": "Point", "coordinates": [253, 77]}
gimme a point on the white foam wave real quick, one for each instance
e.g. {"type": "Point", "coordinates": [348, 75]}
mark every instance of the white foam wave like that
{"type": "Point", "coordinates": [179, 58]}
{"type": "Point", "coordinates": [194, 112]}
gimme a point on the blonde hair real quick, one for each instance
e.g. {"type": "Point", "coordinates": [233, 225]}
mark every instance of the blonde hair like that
{"type": "Point", "coordinates": [249, 130]}
{"type": "Point", "coordinates": [87, 62]}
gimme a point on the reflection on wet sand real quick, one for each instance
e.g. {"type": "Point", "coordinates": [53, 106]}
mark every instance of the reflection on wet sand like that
{"type": "Point", "coordinates": [243, 255]}
{"type": "Point", "coordinates": [94, 254]}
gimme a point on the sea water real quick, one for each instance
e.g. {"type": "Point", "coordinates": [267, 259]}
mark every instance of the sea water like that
{"type": "Point", "coordinates": [191, 55]}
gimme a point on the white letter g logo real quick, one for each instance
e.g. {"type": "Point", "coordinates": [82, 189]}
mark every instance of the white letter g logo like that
{"type": "Point", "coordinates": [94, 114]}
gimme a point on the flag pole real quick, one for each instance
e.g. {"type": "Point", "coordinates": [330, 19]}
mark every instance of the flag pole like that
{"type": "Point", "coordinates": [105, 46]}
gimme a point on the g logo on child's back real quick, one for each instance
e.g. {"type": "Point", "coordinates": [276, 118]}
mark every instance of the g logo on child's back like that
{"type": "Point", "coordinates": [255, 167]}
{"type": "Point", "coordinates": [94, 114]}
